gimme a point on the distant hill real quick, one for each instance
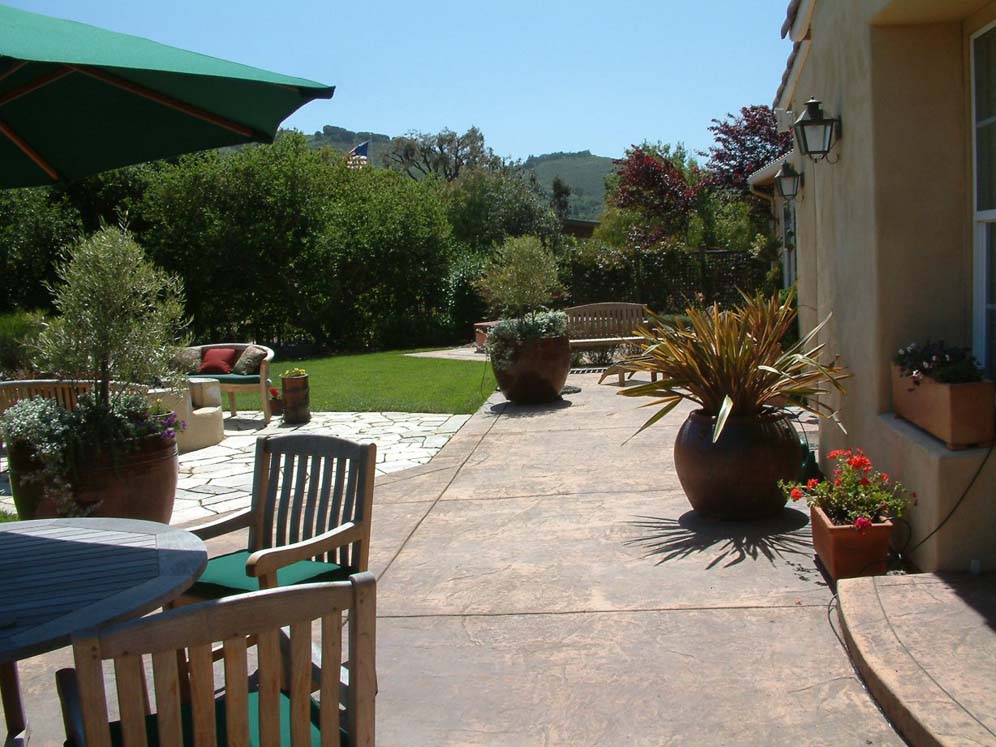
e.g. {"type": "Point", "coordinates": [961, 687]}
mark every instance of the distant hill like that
{"type": "Point", "coordinates": [584, 172]}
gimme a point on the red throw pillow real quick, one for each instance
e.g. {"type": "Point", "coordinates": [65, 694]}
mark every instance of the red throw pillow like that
{"type": "Point", "coordinates": [215, 367]}
{"type": "Point", "coordinates": [218, 361]}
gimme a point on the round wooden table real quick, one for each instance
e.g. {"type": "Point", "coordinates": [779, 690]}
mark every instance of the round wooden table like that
{"type": "Point", "coordinates": [60, 576]}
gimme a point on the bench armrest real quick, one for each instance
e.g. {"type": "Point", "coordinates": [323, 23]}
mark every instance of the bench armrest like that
{"type": "Point", "coordinates": [266, 562]}
{"type": "Point", "coordinates": [218, 527]}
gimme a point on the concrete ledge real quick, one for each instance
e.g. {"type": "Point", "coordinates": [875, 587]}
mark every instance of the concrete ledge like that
{"type": "Point", "coordinates": [925, 645]}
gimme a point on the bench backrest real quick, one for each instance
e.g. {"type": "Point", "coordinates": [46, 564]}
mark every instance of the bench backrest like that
{"type": "Point", "coordinates": [595, 320]}
{"type": "Point", "coordinates": [65, 393]}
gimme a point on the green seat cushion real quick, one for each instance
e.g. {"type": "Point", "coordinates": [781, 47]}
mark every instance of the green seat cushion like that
{"type": "Point", "coordinates": [226, 575]}
{"type": "Point", "coordinates": [230, 378]}
{"type": "Point", "coordinates": [152, 730]}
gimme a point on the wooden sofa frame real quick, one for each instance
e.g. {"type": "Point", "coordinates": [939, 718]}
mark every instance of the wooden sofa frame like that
{"type": "Point", "coordinates": [231, 389]}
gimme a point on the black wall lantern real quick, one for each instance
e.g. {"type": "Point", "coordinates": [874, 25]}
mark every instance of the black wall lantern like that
{"type": "Point", "coordinates": [787, 181]}
{"type": "Point", "coordinates": [815, 133]}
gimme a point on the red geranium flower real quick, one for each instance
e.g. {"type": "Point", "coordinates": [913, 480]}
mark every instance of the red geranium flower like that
{"type": "Point", "coordinates": [862, 523]}
{"type": "Point", "coordinates": [796, 494]}
{"type": "Point", "coordinates": [884, 476]}
{"type": "Point", "coordinates": [860, 462]}
{"type": "Point", "coordinates": [813, 482]}
{"type": "Point", "coordinates": [864, 481]}
{"type": "Point", "coordinates": [839, 453]}
{"type": "Point", "coordinates": [274, 393]}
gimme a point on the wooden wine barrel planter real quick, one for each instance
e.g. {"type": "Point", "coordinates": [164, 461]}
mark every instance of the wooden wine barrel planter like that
{"type": "Point", "coordinates": [297, 399]}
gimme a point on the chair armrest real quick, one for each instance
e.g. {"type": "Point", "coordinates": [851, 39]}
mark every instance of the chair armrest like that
{"type": "Point", "coordinates": [218, 527]}
{"type": "Point", "coordinates": [72, 710]}
{"type": "Point", "coordinates": [264, 562]}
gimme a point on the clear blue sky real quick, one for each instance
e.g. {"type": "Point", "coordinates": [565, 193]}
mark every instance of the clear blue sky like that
{"type": "Point", "coordinates": [535, 76]}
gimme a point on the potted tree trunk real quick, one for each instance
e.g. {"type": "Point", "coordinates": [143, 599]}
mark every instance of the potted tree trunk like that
{"type": "Point", "coordinates": [113, 454]}
{"type": "Point", "coordinates": [851, 515]}
{"type": "Point", "coordinates": [735, 447]}
{"type": "Point", "coordinates": [941, 389]}
{"type": "Point", "coordinates": [529, 348]}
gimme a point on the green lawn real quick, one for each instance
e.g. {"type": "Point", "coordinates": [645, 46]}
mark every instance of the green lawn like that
{"type": "Point", "coordinates": [379, 382]}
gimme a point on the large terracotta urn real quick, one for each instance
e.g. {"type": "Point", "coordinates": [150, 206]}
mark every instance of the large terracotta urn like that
{"type": "Point", "coordinates": [137, 484]}
{"type": "Point", "coordinates": [536, 370]}
{"type": "Point", "coordinates": [737, 477]}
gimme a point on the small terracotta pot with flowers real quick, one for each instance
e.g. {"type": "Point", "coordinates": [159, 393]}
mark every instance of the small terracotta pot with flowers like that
{"type": "Point", "coordinates": [276, 403]}
{"type": "Point", "coordinates": [851, 514]}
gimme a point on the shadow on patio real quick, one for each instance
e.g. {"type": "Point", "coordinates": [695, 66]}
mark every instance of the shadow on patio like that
{"type": "Point", "coordinates": [732, 542]}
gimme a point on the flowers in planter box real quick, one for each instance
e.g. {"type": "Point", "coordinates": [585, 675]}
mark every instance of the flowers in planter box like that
{"type": "Point", "coordinates": [855, 494]}
{"type": "Point", "coordinates": [940, 362]}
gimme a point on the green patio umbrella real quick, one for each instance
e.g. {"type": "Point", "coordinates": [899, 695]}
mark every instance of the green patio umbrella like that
{"type": "Point", "coordinates": [76, 99]}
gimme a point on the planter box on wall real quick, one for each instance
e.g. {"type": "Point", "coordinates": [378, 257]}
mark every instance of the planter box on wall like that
{"type": "Point", "coordinates": [961, 415]}
{"type": "Point", "coordinates": [847, 552]}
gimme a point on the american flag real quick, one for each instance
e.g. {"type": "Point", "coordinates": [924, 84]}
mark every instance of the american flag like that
{"type": "Point", "coordinates": [357, 157]}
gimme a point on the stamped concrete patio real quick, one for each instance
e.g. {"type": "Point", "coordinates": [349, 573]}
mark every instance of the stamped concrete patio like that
{"type": "Point", "coordinates": [543, 583]}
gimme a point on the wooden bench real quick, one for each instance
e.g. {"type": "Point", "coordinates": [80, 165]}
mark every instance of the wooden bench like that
{"type": "Point", "coordinates": [64, 392]}
{"type": "Point", "coordinates": [603, 325]}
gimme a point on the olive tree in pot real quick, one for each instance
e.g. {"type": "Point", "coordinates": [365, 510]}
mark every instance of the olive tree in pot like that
{"type": "Point", "coordinates": [732, 451]}
{"type": "Point", "coordinates": [114, 453]}
{"type": "Point", "coordinates": [529, 348]}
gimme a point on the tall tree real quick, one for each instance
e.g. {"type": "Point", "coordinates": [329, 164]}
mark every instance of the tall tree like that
{"type": "Point", "coordinates": [444, 154]}
{"type": "Point", "coordinates": [560, 201]}
{"type": "Point", "coordinates": [650, 183]}
{"type": "Point", "coordinates": [744, 143]}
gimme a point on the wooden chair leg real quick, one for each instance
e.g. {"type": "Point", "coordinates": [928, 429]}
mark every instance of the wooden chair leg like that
{"type": "Point", "coordinates": [231, 404]}
{"type": "Point", "coordinates": [266, 405]}
{"type": "Point", "coordinates": [13, 710]}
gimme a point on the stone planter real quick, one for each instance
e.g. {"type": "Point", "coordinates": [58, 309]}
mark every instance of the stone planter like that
{"type": "Point", "coordinates": [536, 372]}
{"type": "Point", "coordinates": [960, 415]}
{"type": "Point", "coordinates": [481, 330]}
{"type": "Point", "coordinates": [737, 477]}
{"type": "Point", "coordinates": [297, 399]}
{"type": "Point", "coordinates": [138, 484]}
{"type": "Point", "coordinates": [847, 552]}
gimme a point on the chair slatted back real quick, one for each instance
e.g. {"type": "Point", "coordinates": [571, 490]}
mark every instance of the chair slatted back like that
{"type": "Point", "coordinates": [305, 485]}
{"type": "Point", "coordinates": [600, 320]}
{"type": "Point", "coordinates": [191, 631]}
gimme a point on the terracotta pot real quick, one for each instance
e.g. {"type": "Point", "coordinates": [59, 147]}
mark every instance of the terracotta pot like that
{"type": "Point", "coordinates": [27, 493]}
{"type": "Point", "coordinates": [140, 484]}
{"type": "Point", "coordinates": [537, 372]}
{"type": "Point", "coordinates": [961, 415]}
{"type": "Point", "coordinates": [737, 477]}
{"type": "Point", "coordinates": [847, 552]}
{"type": "Point", "coordinates": [276, 406]}
{"type": "Point", "coordinates": [297, 399]}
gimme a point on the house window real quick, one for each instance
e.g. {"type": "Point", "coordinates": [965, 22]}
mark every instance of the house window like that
{"type": "Point", "coordinates": [789, 269]}
{"type": "Point", "coordinates": [984, 145]}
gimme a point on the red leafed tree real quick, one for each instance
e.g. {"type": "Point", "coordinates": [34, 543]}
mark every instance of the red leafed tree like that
{"type": "Point", "coordinates": [652, 185]}
{"type": "Point", "coordinates": [744, 143]}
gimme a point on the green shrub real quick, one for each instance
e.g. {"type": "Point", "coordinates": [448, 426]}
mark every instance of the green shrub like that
{"type": "Point", "coordinates": [36, 226]}
{"type": "Point", "coordinates": [521, 278]}
{"type": "Point", "coordinates": [18, 332]}
{"type": "Point", "coordinates": [464, 303]}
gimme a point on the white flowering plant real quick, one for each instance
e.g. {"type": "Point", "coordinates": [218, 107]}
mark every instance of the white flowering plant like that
{"type": "Point", "coordinates": [938, 361]}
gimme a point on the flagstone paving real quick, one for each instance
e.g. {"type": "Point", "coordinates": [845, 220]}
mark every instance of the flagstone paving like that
{"type": "Point", "coordinates": [218, 479]}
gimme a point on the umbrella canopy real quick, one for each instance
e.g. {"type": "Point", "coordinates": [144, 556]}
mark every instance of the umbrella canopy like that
{"type": "Point", "coordinates": [76, 99]}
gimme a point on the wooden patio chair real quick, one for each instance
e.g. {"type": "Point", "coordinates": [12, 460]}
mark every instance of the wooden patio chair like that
{"type": "Point", "coordinates": [273, 707]}
{"type": "Point", "coordinates": [309, 520]}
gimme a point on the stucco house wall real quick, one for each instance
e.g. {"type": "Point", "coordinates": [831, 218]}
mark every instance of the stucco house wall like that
{"type": "Point", "coordinates": [885, 237]}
